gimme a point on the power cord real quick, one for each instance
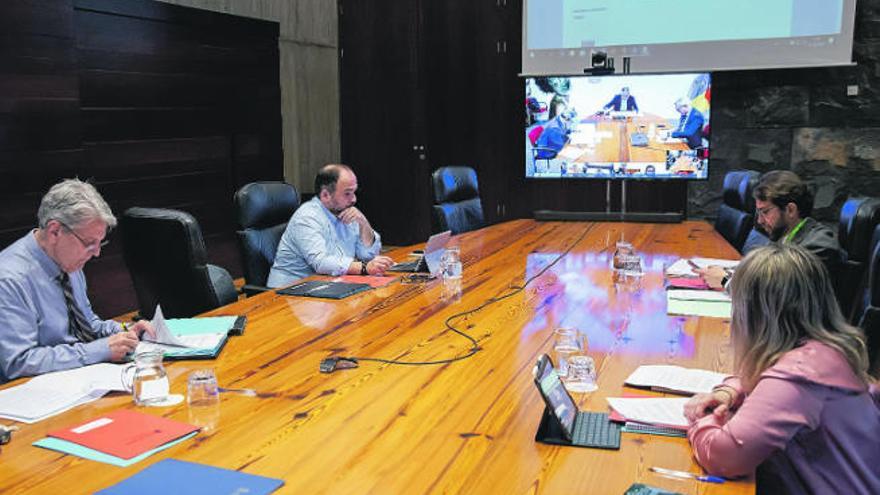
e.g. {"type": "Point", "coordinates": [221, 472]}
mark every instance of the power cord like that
{"type": "Point", "coordinates": [333, 363]}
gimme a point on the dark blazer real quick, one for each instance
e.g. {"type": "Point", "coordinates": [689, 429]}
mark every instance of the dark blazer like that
{"type": "Point", "coordinates": [614, 104]}
{"type": "Point", "coordinates": [691, 125]}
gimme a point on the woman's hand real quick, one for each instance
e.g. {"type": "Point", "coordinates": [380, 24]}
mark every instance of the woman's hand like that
{"type": "Point", "coordinates": [718, 403]}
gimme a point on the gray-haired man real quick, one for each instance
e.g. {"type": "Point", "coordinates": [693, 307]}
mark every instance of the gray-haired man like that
{"type": "Point", "coordinates": [46, 319]}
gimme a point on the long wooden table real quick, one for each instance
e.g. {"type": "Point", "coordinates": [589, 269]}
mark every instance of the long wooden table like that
{"type": "Point", "coordinates": [465, 427]}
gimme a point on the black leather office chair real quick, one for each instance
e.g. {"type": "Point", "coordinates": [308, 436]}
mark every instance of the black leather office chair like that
{"type": "Point", "coordinates": [858, 219]}
{"type": "Point", "coordinates": [166, 258]}
{"type": "Point", "coordinates": [870, 318]}
{"type": "Point", "coordinates": [457, 199]}
{"type": "Point", "coordinates": [262, 210]}
{"type": "Point", "coordinates": [736, 215]}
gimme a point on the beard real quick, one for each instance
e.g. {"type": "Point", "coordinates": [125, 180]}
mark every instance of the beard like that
{"type": "Point", "coordinates": [777, 232]}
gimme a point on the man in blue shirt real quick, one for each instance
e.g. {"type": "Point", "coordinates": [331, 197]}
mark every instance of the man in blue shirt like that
{"type": "Point", "coordinates": [328, 235]}
{"type": "Point", "coordinates": [622, 102]}
{"type": "Point", "coordinates": [46, 319]}
{"type": "Point", "coordinates": [690, 124]}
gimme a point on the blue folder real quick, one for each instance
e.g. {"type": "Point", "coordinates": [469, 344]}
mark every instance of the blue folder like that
{"type": "Point", "coordinates": [173, 476]}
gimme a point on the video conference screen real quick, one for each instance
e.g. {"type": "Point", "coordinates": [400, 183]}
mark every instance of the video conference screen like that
{"type": "Point", "coordinates": [618, 127]}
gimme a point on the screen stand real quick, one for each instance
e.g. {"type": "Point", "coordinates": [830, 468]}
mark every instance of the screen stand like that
{"type": "Point", "coordinates": [608, 215]}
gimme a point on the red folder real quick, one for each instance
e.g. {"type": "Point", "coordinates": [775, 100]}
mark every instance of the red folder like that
{"type": "Point", "coordinates": [125, 433]}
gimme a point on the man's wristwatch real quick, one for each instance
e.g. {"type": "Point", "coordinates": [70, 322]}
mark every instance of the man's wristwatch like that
{"type": "Point", "coordinates": [364, 268]}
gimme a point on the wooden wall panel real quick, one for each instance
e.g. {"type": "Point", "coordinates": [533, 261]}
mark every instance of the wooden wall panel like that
{"type": "Point", "coordinates": [157, 105]}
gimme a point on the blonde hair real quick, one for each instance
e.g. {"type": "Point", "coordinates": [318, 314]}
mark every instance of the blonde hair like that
{"type": "Point", "coordinates": [782, 296]}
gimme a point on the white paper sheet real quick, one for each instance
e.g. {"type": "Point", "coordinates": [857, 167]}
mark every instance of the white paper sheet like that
{"type": "Point", "coordinates": [682, 267]}
{"type": "Point", "coordinates": [53, 393]}
{"type": "Point", "coordinates": [675, 378]}
{"type": "Point", "coordinates": [654, 411]}
{"type": "Point", "coordinates": [682, 302]}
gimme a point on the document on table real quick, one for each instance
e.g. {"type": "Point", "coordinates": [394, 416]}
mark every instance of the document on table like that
{"type": "Point", "coordinates": [683, 268]}
{"type": "Point", "coordinates": [675, 379]}
{"type": "Point", "coordinates": [698, 303]}
{"type": "Point", "coordinates": [53, 393]}
{"type": "Point", "coordinates": [652, 411]}
{"type": "Point", "coordinates": [165, 340]}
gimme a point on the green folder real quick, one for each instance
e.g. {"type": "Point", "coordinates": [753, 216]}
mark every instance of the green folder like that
{"type": "Point", "coordinates": [197, 326]}
{"type": "Point", "coordinates": [86, 453]}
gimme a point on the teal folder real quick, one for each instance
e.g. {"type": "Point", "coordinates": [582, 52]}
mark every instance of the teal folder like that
{"type": "Point", "coordinates": [71, 448]}
{"type": "Point", "coordinates": [173, 476]}
{"type": "Point", "coordinates": [197, 326]}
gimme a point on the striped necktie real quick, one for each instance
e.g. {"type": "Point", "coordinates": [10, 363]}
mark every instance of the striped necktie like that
{"type": "Point", "coordinates": [79, 326]}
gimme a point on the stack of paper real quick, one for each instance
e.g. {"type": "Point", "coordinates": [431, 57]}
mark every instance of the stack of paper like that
{"type": "Point", "coordinates": [698, 303]}
{"type": "Point", "coordinates": [187, 337]}
{"type": "Point", "coordinates": [53, 393]}
{"type": "Point", "coordinates": [119, 438]}
{"type": "Point", "coordinates": [684, 268]}
{"type": "Point", "coordinates": [652, 411]}
{"type": "Point", "coordinates": [675, 379]}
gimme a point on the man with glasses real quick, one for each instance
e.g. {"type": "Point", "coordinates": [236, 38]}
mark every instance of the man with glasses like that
{"type": "Point", "coordinates": [783, 204]}
{"type": "Point", "coordinates": [46, 319]}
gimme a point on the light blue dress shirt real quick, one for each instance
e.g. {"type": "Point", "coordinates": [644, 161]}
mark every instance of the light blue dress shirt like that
{"type": "Point", "coordinates": [34, 332]}
{"type": "Point", "coordinates": [316, 241]}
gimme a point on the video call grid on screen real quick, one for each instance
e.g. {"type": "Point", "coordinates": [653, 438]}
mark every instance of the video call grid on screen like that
{"type": "Point", "coordinates": [618, 127]}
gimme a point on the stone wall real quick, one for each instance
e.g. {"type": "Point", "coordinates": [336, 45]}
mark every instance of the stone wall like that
{"type": "Point", "coordinates": [802, 120]}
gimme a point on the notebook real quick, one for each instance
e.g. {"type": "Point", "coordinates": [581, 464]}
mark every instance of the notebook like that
{"type": "Point", "coordinates": [324, 289]}
{"type": "Point", "coordinates": [675, 379]}
{"type": "Point", "coordinates": [173, 476]}
{"type": "Point", "coordinates": [188, 338]}
{"type": "Point", "coordinates": [125, 433]}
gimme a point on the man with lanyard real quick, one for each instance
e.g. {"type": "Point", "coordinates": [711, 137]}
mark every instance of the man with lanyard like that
{"type": "Point", "coordinates": [783, 204]}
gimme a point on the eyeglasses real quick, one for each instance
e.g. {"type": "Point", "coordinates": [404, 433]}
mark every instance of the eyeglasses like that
{"type": "Point", "coordinates": [89, 246]}
{"type": "Point", "coordinates": [763, 212]}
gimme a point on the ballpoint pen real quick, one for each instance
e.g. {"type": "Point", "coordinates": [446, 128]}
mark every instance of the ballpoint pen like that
{"type": "Point", "coordinates": [686, 475]}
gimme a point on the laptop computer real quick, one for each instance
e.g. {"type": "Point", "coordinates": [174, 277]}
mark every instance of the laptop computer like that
{"type": "Point", "coordinates": [563, 423]}
{"type": "Point", "coordinates": [429, 262]}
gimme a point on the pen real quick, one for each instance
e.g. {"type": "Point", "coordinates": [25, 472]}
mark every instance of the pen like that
{"type": "Point", "coordinates": [686, 475]}
{"type": "Point", "coordinates": [693, 265]}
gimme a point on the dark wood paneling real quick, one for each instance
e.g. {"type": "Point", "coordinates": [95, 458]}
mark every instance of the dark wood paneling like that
{"type": "Point", "coordinates": [157, 105]}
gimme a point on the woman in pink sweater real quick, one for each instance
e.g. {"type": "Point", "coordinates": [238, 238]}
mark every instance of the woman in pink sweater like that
{"type": "Point", "coordinates": [801, 409]}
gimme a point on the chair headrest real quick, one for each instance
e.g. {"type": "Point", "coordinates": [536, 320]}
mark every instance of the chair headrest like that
{"type": "Point", "coordinates": [737, 189]}
{"type": "Point", "coordinates": [455, 184]}
{"type": "Point", "coordinates": [858, 217]}
{"type": "Point", "coordinates": [263, 204]}
{"type": "Point", "coordinates": [161, 227]}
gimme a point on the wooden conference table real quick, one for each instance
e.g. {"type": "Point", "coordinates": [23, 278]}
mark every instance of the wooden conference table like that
{"type": "Point", "coordinates": [465, 427]}
{"type": "Point", "coordinates": [602, 140]}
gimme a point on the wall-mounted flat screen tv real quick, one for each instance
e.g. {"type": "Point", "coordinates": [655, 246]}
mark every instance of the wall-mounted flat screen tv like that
{"type": "Point", "coordinates": [618, 127]}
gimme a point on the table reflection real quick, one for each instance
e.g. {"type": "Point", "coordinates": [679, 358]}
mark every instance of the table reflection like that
{"type": "Point", "coordinates": [580, 292]}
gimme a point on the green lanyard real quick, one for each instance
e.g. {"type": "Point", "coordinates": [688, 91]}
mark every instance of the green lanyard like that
{"type": "Point", "coordinates": [795, 230]}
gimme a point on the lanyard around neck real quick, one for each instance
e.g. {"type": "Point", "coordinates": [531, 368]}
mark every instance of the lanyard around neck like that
{"type": "Point", "coordinates": [795, 230]}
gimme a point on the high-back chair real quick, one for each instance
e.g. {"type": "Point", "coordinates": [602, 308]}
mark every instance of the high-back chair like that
{"type": "Point", "coordinates": [870, 315]}
{"type": "Point", "coordinates": [858, 219]}
{"type": "Point", "coordinates": [736, 215]}
{"type": "Point", "coordinates": [262, 210]}
{"type": "Point", "coordinates": [167, 260]}
{"type": "Point", "coordinates": [457, 200]}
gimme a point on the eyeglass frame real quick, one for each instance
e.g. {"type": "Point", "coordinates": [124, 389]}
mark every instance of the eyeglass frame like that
{"type": "Point", "coordinates": [89, 246]}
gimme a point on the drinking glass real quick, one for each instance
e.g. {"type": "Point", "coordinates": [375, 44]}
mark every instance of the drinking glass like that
{"type": "Point", "coordinates": [450, 263]}
{"type": "Point", "coordinates": [581, 374]}
{"type": "Point", "coordinates": [201, 388]}
{"type": "Point", "coordinates": [566, 342]}
{"type": "Point", "coordinates": [623, 248]}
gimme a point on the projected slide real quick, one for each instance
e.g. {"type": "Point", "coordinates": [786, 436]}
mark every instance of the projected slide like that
{"type": "Point", "coordinates": [587, 23]}
{"type": "Point", "coordinates": [686, 35]}
{"type": "Point", "coordinates": [618, 127]}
